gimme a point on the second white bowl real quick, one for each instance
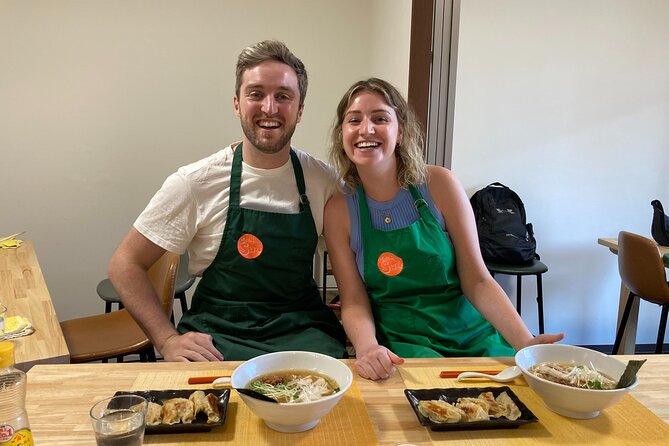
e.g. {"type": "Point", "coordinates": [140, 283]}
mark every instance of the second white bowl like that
{"type": "Point", "coordinates": [572, 402]}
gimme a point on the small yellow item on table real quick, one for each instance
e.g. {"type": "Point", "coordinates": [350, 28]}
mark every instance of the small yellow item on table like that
{"type": "Point", "coordinates": [16, 326]}
{"type": "Point", "coordinates": [11, 241]}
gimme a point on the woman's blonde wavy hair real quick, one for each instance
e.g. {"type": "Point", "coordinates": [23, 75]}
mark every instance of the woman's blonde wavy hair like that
{"type": "Point", "coordinates": [409, 153]}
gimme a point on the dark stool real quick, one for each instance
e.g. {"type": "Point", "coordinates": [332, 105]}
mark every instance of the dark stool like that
{"type": "Point", "coordinates": [532, 268]}
{"type": "Point", "coordinates": [184, 281]}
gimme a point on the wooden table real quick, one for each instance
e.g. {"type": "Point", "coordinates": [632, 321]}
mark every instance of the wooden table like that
{"type": "Point", "coordinates": [24, 293]}
{"type": "Point", "coordinates": [628, 343]}
{"type": "Point", "coordinates": [59, 397]}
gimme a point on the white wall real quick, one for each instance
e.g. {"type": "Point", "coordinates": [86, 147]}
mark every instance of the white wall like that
{"type": "Point", "coordinates": [101, 100]}
{"type": "Point", "coordinates": [567, 102]}
{"type": "Point", "coordinates": [389, 40]}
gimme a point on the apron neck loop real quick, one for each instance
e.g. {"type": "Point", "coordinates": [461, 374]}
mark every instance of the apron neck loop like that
{"type": "Point", "coordinates": [235, 177]}
{"type": "Point", "coordinates": [419, 202]}
{"type": "Point", "coordinates": [299, 178]}
{"type": "Point", "coordinates": [236, 174]}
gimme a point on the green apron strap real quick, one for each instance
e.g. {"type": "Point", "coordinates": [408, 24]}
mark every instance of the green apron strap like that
{"type": "Point", "coordinates": [299, 178]}
{"type": "Point", "coordinates": [235, 177]}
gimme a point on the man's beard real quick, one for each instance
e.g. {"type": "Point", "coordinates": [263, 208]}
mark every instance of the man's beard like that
{"type": "Point", "coordinates": [251, 131]}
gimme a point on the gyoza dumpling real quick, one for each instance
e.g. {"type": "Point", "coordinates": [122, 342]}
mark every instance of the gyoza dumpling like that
{"type": "Point", "coordinates": [440, 411]}
{"type": "Point", "coordinates": [213, 414]}
{"type": "Point", "coordinates": [484, 403]}
{"type": "Point", "coordinates": [507, 407]}
{"type": "Point", "coordinates": [199, 401]}
{"type": "Point", "coordinates": [153, 414]}
{"type": "Point", "coordinates": [178, 409]}
{"type": "Point", "coordinates": [473, 409]}
{"type": "Point", "coordinates": [207, 404]}
{"type": "Point", "coordinates": [494, 409]}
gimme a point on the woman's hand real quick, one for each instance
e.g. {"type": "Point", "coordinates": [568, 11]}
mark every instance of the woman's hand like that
{"type": "Point", "coordinates": [545, 339]}
{"type": "Point", "coordinates": [377, 363]}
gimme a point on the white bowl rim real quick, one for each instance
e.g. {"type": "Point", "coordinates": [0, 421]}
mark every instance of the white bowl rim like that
{"type": "Point", "coordinates": [342, 388]}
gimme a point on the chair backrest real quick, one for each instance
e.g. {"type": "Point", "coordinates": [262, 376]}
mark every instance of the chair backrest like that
{"type": "Point", "coordinates": [641, 267]}
{"type": "Point", "coordinates": [184, 279]}
{"type": "Point", "coordinates": [163, 275]}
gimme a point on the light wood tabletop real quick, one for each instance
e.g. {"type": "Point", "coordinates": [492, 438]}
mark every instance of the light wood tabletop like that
{"type": "Point", "coordinates": [628, 343]}
{"type": "Point", "coordinates": [612, 244]}
{"type": "Point", "coordinates": [59, 397]}
{"type": "Point", "coordinates": [24, 292]}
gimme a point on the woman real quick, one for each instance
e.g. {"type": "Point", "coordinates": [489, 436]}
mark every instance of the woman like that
{"type": "Point", "coordinates": [404, 247]}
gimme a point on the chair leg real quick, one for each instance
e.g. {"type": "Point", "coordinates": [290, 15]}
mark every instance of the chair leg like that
{"type": "Point", "coordinates": [623, 323]}
{"type": "Point", "coordinates": [148, 355]}
{"type": "Point", "coordinates": [540, 304]}
{"type": "Point", "coordinates": [663, 328]}
{"type": "Point", "coordinates": [107, 307]}
{"type": "Point", "coordinates": [519, 291]}
{"type": "Point", "coordinates": [183, 302]}
{"type": "Point", "coordinates": [325, 276]}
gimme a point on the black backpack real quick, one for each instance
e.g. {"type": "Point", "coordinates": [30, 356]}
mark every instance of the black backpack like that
{"type": "Point", "coordinates": [659, 228]}
{"type": "Point", "coordinates": [504, 234]}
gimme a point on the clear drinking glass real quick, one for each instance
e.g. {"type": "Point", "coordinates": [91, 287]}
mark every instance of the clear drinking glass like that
{"type": "Point", "coordinates": [3, 310]}
{"type": "Point", "coordinates": [119, 420]}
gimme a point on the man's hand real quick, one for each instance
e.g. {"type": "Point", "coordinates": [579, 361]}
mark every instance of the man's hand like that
{"type": "Point", "coordinates": [377, 363]}
{"type": "Point", "coordinates": [190, 347]}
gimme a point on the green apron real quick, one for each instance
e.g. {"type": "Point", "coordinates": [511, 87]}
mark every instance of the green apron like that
{"type": "Point", "coordinates": [254, 301]}
{"type": "Point", "coordinates": [418, 305]}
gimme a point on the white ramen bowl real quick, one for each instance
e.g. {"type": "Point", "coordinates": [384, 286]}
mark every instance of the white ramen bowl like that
{"type": "Point", "coordinates": [292, 417]}
{"type": "Point", "coordinates": [569, 401]}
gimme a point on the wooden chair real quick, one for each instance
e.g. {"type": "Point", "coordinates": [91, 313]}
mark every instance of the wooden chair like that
{"type": "Point", "coordinates": [642, 272]}
{"type": "Point", "coordinates": [116, 334]}
{"type": "Point", "coordinates": [184, 281]}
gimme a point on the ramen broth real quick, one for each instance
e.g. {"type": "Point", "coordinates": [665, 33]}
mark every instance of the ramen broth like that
{"type": "Point", "coordinates": [294, 386]}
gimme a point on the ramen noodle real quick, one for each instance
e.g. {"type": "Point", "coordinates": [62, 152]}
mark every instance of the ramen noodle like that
{"type": "Point", "coordinates": [581, 376]}
{"type": "Point", "coordinates": [294, 386]}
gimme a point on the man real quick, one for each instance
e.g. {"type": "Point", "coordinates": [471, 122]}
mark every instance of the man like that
{"type": "Point", "coordinates": [245, 216]}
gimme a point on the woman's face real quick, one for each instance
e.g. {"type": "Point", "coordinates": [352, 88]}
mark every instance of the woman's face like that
{"type": "Point", "coordinates": [370, 131]}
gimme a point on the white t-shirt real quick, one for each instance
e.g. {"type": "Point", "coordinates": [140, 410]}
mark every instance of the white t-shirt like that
{"type": "Point", "coordinates": [190, 209]}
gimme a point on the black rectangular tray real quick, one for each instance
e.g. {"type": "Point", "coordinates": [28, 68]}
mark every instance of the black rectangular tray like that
{"type": "Point", "coordinates": [451, 395]}
{"type": "Point", "coordinates": [198, 425]}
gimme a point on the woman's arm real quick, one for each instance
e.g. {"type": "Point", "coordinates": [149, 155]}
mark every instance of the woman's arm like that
{"type": "Point", "coordinates": [477, 283]}
{"type": "Point", "coordinates": [373, 361]}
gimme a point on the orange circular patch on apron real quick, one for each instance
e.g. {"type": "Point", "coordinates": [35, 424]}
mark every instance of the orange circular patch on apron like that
{"type": "Point", "coordinates": [249, 246]}
{"type": "Point", "coordinates": [390, 264]}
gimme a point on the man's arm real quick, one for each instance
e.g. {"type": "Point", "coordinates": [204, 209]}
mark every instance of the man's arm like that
{"type": "Point", "coordinates": [128, 273]}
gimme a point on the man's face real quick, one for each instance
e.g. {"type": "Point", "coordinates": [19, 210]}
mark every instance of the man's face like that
{"type": "Point", "coordinates": [268, 106]}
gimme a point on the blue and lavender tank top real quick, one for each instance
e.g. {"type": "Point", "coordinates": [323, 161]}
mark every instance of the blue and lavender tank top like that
{"type": "Point", "coordinates": [396, 213]}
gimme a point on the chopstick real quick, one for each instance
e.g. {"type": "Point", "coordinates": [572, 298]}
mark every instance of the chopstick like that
{"type": "Point", "coordinates": [205, 379]}
{"type": "Point", "coordinates": [455, 373]}
{"type": "Point", "coordinates": [12, 236]}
